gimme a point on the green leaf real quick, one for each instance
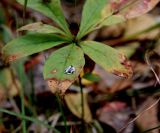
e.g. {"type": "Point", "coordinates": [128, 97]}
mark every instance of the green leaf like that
{"type": "Point", "coordinates": [39, 27]}
{"type": "Point", "coordinates": [108, 58]}
{"type": "Point", "coordinates": [91, 15]}
{"type": "Point", "coordinates": [91, 77]}
{"type": "Point", "coordinates": [30, 44]}
{"type": "Point", "coordinates": [111, 20]}
{"type": "Point", "coordinates": [51, 9]}
{"type": "Point", "coordinates": [58, 62]}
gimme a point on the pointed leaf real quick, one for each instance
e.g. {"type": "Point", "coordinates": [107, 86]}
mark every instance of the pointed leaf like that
{"type": "Point", "coordinates": [39, 27]}
{"type": "Point", "coordinates": [30, 44]}
{"type": "Point", "coordinates": [50, 8]}
{"type": "Point", "coordinates": [91, 15]}
{"type": "Point", "coordinates": [108, 58]}
{"type": "Point", "coordinates": [54, 69]}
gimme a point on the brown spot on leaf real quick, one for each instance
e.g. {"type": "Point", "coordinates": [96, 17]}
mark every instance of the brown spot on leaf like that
{"type": "Point", "coordinates": [121, 74]}
{"type": "Point", "coordinates": [124, 61]}
{"type": "Point", "coordinates": [127, 65]}
{"type": "Point", "coordinates": [58, 86]}
{"type": "Point", "coordinates": [117, 5]}
{"type": "Point", "coordinates": [12, 58]}
{"type": "Point", "coordinates": [54, 71]}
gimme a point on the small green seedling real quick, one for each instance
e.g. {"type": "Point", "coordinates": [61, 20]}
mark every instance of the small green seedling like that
{"type": "Point", "coordinates": [65, 64]}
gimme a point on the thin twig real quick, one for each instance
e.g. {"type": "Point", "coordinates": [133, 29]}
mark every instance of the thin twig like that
{"type": "Point", "coordinates": [22, 101]}
{"type": "Point", "coordinates": [147, 55]}
{"type": "Point", "coordinates": [139, 115]}
{"type": "Point", "coordinates": [15, 107]}
{"type": "Point", "coordinates": [24, 11]}
{"type": "Point", "coordinates": [17, 129]}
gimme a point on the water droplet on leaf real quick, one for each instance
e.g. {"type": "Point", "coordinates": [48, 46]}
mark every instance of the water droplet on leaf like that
{"type": "Point", "coordinates": [70, 70]}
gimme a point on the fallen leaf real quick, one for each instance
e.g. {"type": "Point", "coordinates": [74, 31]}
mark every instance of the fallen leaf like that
{"type": "Point", "coordinates": [74, 104]}
{"type": "Point", "coordinates": [8, 87]}
{"type": "Point", "coordinates": [131, 8]}
{"type": "Point", "coordinates": [141, 24]}
{"type": "Point", "coordinates": [117, 11]}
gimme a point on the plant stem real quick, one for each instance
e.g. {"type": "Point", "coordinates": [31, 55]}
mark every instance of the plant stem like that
{"type": "Point", "coordinates": [29, 119]}
{"type": "Point", "coordinates": [24, 11]}
{"type": "Point", "coordinates": [22, 101]}
{"type": "Point", "coordinates": [82, 104]}
{"type": "Point", "coordinates": [62, 112]}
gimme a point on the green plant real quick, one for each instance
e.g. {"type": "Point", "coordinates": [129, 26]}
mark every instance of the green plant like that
{"type": "Point", "coordinates": [65, 64]}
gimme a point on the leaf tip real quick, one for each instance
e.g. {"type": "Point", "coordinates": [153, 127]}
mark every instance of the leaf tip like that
{"type": "Point", "coordinates": [127, 65]}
